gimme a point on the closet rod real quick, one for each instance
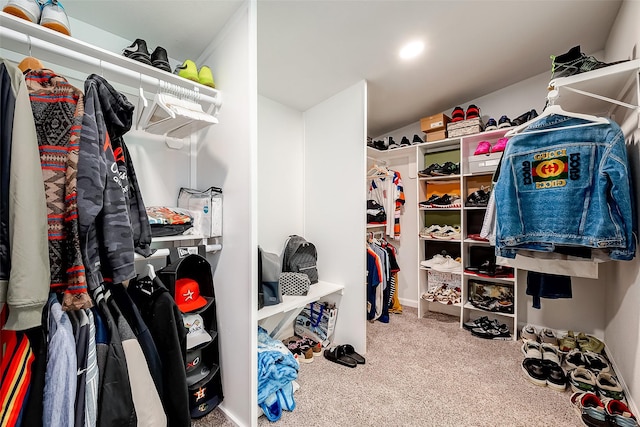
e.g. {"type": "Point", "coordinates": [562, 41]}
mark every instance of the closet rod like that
{"type": "Point", "coordinates": [52, 47]}
{"type": "Point", "coordinates": [164, 252]}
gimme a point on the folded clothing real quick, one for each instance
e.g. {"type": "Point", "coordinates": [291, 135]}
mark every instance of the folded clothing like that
{"type": "Point", "coordinates": [168, 221]}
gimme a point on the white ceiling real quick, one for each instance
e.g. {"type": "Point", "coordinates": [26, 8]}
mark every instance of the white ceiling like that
{"type": "Point", "coordinates": [309, 50]}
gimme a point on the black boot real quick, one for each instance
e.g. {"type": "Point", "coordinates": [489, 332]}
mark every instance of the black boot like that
{"type": "Point", "coordinates": [138, 51]}
{"type": "Point", "coordinates": [159, 59]}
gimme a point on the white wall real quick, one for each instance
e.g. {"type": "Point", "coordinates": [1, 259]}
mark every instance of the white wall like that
{"type": "Point", "coordinates": [622, 332]}
{"type": "Point", "coordinates": [334, 202]}
{"type": "Point", "coordinates": [227, 158]}
{"type": "Point", "coordinates": [280, 172]}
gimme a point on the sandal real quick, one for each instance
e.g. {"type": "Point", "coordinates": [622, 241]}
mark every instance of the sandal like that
{"type": "Point", "coordinates": [338, 355]}
{"type": "Point", "coordinates": [350, 352]}
{"type": "Point", "coordinates": [589, 343]}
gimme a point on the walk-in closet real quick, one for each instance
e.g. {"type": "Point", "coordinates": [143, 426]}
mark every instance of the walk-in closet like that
{"type": "Point", "coordinates": [308, 98]}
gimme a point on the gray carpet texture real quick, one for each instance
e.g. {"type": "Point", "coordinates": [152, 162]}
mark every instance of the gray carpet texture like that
{"type": "Point", "coordinates": [423, 372]}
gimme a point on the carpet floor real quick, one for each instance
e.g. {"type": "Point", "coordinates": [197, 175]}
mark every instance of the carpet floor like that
{"type": "Point", "coordinates": [423, 372]}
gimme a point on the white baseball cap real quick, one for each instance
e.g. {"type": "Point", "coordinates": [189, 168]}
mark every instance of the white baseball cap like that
{"type": "Point", "coordinates": [197, 334]}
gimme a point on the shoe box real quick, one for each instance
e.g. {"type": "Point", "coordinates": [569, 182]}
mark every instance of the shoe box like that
{"type": "Point", "coordinates": [435, 126]}
{"type": "Point", "coordinates": [465, 127]}
{"type": "Point", "coordinates": [484, 162]}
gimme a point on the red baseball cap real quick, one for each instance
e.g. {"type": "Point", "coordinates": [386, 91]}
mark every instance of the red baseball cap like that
{"type": "Point", "coordinates": [188, 296]}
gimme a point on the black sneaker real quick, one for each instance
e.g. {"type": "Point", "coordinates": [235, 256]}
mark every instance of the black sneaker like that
{"type": "Point", "coordinates": [379, 144]}
{"type": "Point", "coordinates": [575, 62]}
{"type": "Point", "coordinates": [472, 324]}
{"type": "Point", "coordinates": [417, 140]}
{"type": "Point", "coordinates": [405, 141]}
{"type": "Point", "coordinates": [504, 122]}
{"type": "Point", "coordinates": [478, 198]}
{"type": "Point", "coordinates": [159, 59]}
{"type": "Point", "coordinates": [447, 168]}
{"type": "Point", "coordinates": [491, 125]}
{"type": "Point", "coordinates": [524, 117]}
{"type": "Point", "coordinates": [138, 51]}
{"type": "Point", "coordinates": [446, 201]}
{"type": "Point", "coordinates": [493, 331]}
{"type": "Point", "coordinates": [428, 171]}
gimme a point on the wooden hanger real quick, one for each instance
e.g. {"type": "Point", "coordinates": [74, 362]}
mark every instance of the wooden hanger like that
{"type": "Point", "coordinates": [30, 63]}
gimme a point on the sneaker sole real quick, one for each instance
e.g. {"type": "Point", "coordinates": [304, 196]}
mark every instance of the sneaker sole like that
{"type": "Point", "coordinates": [556, 387]}
{"type": "Point", "coordinates": [162, 65]}
{"type": "Point", "coordinates": [16, 11]}
{"type": "Point", "coordinates": [140, 57]}
{"type": "Point", "coordinates": [55, 26]}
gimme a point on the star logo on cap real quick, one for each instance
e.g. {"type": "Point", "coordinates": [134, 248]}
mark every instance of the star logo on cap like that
{"type": "Point", "coordinates": [200, 393]}
{"type": "Point", "coordinates": [188, 295]}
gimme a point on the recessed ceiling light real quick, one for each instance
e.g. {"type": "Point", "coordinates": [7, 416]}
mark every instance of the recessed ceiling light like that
{"type": "Point", "coordinates": [411, 50]}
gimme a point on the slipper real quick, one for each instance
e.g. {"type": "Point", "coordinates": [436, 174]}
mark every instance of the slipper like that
{"type": "Point", "coordinates": [337, 355]}
{"type": "Point", "coordinates": [351, 352]}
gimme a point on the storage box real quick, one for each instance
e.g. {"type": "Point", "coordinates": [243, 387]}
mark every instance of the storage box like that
{"type": "Point", "coordinates": [207, 208]}
{"type": "Point", "coordinates": [484, 162]}
{"type": "Point", "coordinates": [437, 135]}
{"type": "Point", "coordinates": [465, 127]}
{"type": "Point", "coordinates": [434, 123]}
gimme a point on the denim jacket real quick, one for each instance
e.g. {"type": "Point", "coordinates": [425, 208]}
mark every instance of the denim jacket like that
{"type": "Point", "coordinates": [565, 187]}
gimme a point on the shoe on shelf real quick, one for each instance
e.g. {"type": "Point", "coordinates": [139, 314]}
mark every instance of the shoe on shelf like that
{"type": "Point", "coordinates": [160, 59]}
{"type": "Point", "coordinates": [479, 198]}
{"type": "Point", "coordinates": [446, 201]}
{"type": "Point", "coordinates": [608, 387]}
{"type": "Point", "coordinates": [428, 231]}
{"type": "Point", "coordinates": [575, 62]}
{"type": "Point", "coordinates": [491, 125]}
{"type": "Point", "coordinates": [475, 323]}
{"type": "Point", "coordinates": [405, 141]}
{"type": "Point", "coordinates": [447, 168]}
{"type": "Point", "coordinates": [448, 266]}
{"type": "Point", "coordinates": [447, 232]}
{"type": "Point", "coordinates": [524, 117]}
{"type": "Point", "coordinates": [590, 408]}
{"type": "Point", "coordinates": [457, 115]}
{"type": "Point", "coordinates": [54, 17]}
{"type": "Point", "coordinates": [138, 51]}
{"type": "Point", "coordinates": [473, 112]}
{"type": "Point", "coordinates": [427, 203]}
{"type": "Point", "coordinates": [582, 380]}
{"type": "Point", "coordinates": [428, 171]}
{"type": "Point", "coordinates": [619, 413]}
{"type": "Point", "coordinates": [187, 70]}
{"type": "Point", "coordinates": [416, 140]}
{"type": "Point", "coordinates": [492, 331]}
{"type": "Point", "coordinates": [500, 145]}
{"type": "Point", "coordinates": [205, 77]}
{"type": "Point", "coordinates": [437, 259]}
{"type": "Point", "coordinates": [484, 147]}
{"type": "Point", "coordinates": [477, 237]}
{"type": "Point", "coordinates": [25, 9]}
{"type": "Point", "coordinates": [529, 333]}
{"type": "Point", "coordinates": [504, 122]}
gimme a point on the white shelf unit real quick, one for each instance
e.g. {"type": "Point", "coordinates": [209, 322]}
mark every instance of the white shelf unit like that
{"type": "Point", "coordinates": [468, 218]}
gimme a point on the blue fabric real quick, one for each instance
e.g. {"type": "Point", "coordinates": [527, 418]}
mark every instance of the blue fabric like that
{"type": "Point", "coordinates": [565, 187]}
{"type": "Point", "coordinates": [285, 397]}
{"type": "Point", "coordinates": [276, 365]}
{"type": "Point", "coordinates": [271, 407]}
{"type": "Point", "coordinates": [552, 286]}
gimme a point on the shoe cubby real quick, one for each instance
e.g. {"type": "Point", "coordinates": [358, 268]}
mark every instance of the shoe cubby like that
{"type": "Point", "coordinates": [434, 182]}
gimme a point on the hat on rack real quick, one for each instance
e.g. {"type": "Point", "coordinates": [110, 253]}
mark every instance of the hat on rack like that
{"type": "Point", "coordinates": [197, 333]}
{"type": "Point", "coordinates": [188, 296]}
{"type": "Point", "coordinates": [203, 396]}
{"type": "Point", "coordinates": [196, 369]}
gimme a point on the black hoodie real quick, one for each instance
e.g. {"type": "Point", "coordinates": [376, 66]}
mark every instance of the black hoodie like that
{"type": "Point", "coordinates": [113, 219]}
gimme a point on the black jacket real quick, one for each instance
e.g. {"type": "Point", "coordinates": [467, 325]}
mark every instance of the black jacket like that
{"type": "Point", "coordinates": [7, 107]}
{"type": "Point", "coordinates": [164, 320]}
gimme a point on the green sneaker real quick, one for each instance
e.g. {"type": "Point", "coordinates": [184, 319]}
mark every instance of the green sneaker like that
{"type": "Point", "coordinates": [205, 76]}
{"type": "Point", "coordinates": [187, 70]}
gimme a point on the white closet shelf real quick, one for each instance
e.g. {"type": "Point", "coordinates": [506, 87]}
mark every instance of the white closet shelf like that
{"type": "Point", "coordinates": [289, 302]}
{"type": "Point", "coordinates": [164, 252]}
{"type": "Point", "coordinates": [601, 88]}
{"type": "Point", "coordinates": [470, 306]}
{"type": "Point", "coordinates": [21, 36]}
{"type": "Point", "coordinates": [177, 238]}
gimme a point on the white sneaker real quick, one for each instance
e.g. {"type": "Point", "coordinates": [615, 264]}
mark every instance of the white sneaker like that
{"type": "Point", "coordinates": [54, 17]}
{"type": "Point", "coordinates": [25, 9]}
{"type": "Point", "coordinates": [437, 259]}
{"type": "Point", "coordinates": [428, 231]}
{"type": "Point", "coordinates": [448, 266]}
{"type": "Point", "coordinates": [447, 233]}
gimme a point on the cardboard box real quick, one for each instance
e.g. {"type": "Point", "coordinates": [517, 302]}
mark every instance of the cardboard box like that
{"type": "Point", "coordinates": [434, 123]}
{"type": "Point", "coordinates": [436, 136]}
{"type": "Point", "coordinates": [465, 127]}
{"type": "Point", "coordinates": [484, 162]}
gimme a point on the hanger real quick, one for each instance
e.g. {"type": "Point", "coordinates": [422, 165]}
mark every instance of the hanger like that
{"type": "Point", "coordinates": [377, 170]}
{"type": "Point", "coordinates": [150, 271]}
{"type": "Point", "coordinates": [30, 63]}
{"type": "Point", "coordinates": [553, 108]}
{"type": "Point", "coordinates": [142, 105]}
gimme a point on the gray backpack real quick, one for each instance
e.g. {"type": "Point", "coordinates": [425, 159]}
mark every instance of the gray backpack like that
{"type": "Point", "coordinates": [300, 256]}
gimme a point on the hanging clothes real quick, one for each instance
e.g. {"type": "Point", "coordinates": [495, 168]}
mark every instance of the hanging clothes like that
{"type": "Point", "coordinates": [58, 109]}
{"type": "Point", "coordinates": [24, 254]}
{"type": "Point", "coordinates": [387, 191]}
